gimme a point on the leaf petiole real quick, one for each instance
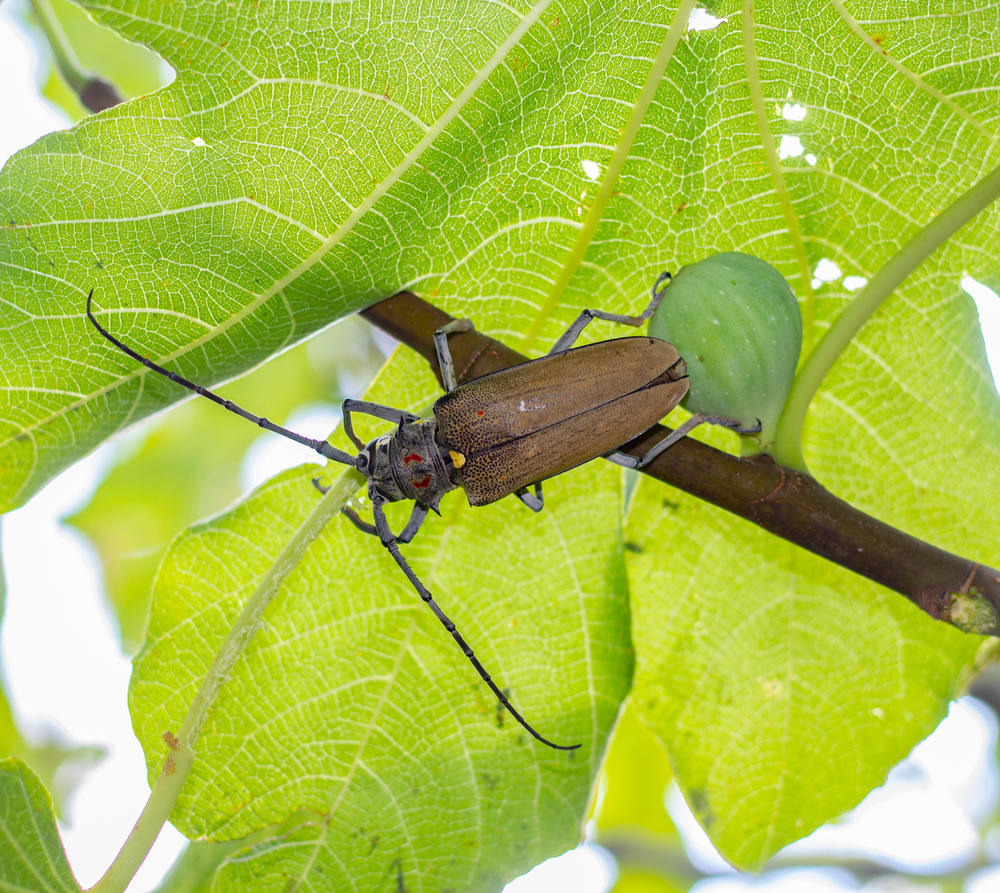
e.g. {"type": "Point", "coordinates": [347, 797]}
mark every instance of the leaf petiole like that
{"type": "Point", "coordinates": [787, 442]}
{"type": "Point", "coordinates": [178, 764]}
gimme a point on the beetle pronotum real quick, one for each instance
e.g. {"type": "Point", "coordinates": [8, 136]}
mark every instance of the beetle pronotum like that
{"type": "Point", "coordinates": [498, 434]}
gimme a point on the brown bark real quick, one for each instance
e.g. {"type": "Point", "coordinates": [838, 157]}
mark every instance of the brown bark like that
{"type": "Point", "coordinates": [783, 501]}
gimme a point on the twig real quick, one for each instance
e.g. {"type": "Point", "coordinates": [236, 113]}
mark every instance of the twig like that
{"type": "Point", "coordinates": [95, 93]}
{"type": "Point", "coordinates": [785, 502]}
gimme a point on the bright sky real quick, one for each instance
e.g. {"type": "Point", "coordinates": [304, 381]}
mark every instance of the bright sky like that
{"type": "Point", "coordinates": [66, 674]}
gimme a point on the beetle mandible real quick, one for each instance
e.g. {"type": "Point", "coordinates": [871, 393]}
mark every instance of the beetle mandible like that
{"type": "Point", "coordinates": [502, 433]}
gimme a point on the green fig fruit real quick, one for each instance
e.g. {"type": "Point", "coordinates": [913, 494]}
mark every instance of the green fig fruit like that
{"type": "Point", "coordinates": [736, 322]}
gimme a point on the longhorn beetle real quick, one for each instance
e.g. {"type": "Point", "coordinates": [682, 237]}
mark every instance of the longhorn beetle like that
{"type": "Point", "coordinates": [498, 434]}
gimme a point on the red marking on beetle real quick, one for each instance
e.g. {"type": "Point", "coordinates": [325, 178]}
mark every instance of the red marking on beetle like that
{"type": "Point", "coordinates": [413, 457]}
{"type": "Point", "coordinates": [423, 482]}
{"type": "Point", "coordinates": [480, 412]}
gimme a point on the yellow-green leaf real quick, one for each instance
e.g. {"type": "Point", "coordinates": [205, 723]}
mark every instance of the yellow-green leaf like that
{"type": "Point", "coordinates": [32, 859]}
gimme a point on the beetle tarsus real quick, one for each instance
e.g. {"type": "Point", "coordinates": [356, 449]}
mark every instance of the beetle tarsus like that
{"type": "Point", "coordinates": [657, 291]}
{"type": "Point", "coordinates": [322, 489]}
{"type": "Point", "coordinates": [536, 502]}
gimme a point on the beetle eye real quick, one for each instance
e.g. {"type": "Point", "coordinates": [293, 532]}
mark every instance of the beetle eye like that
{"type": "Point", "coordinates": [363, 460]}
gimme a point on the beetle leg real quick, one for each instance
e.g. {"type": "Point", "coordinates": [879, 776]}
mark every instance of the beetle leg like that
{"type": "Point", "coordinates": [389, 541]}
{"type": "Point", "coordinates": [675, 435]}
{"type": "Point", "coordinates": [356, 520]}
{"type": "Point", "coordinates": [627, 461]}
{"type": "Point", "coordinates": [373, 409]}
{"type": "Point", "coordinates": [569, 337]}
{"type": "Point", "coordinates": [413, 525]}
{"type": "Point", "coordinates": [623, 459]}
{"type": "Point", "coordinates": [445, 362]}
{"type": "Point", "coordinates": [536, 502]}
{"type": "Point", "coordinates": [672, 438]}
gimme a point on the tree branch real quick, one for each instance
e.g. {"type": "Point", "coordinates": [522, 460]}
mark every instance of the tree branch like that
{"type": "Point", "coordinates": [785, 502]}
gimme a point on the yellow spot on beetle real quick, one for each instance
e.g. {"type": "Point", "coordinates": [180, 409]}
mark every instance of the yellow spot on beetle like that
{"type": "Point", "coordinates": [457, 458]}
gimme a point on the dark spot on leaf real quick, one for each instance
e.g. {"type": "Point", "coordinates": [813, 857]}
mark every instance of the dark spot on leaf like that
{"type": "Point", "coordinates": [671, 505]}
{"type": "Point", "coordinates": [701, 807]}
{"type": "Point", "coordinates": [400, 880]}
{"type": "Point", "coordinates": [633, 547]}
{"type": "Point", "coordinates": [501, 711]}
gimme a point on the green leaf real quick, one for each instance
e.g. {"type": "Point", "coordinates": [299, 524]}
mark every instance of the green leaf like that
{"type": "Point", "coordinates": [188, 466]}
{"type": "Point", "coordinates": [355, 704]}
{"type": "Point", "coordinates": [31, 854]}
{"type": "Point", "coordinates": [784, 687]}
{"type": "Point", "coordinates": [194, 870]}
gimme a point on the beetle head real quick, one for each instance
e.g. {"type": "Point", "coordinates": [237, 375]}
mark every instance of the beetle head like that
{"type": "Point", "coordinates": [373, 463]}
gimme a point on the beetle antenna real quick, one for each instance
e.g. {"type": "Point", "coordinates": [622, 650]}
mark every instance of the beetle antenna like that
{"type": "Point", "coordinates": [320, 446]}
{"type": "Point", "coordinates": [389, 541]}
